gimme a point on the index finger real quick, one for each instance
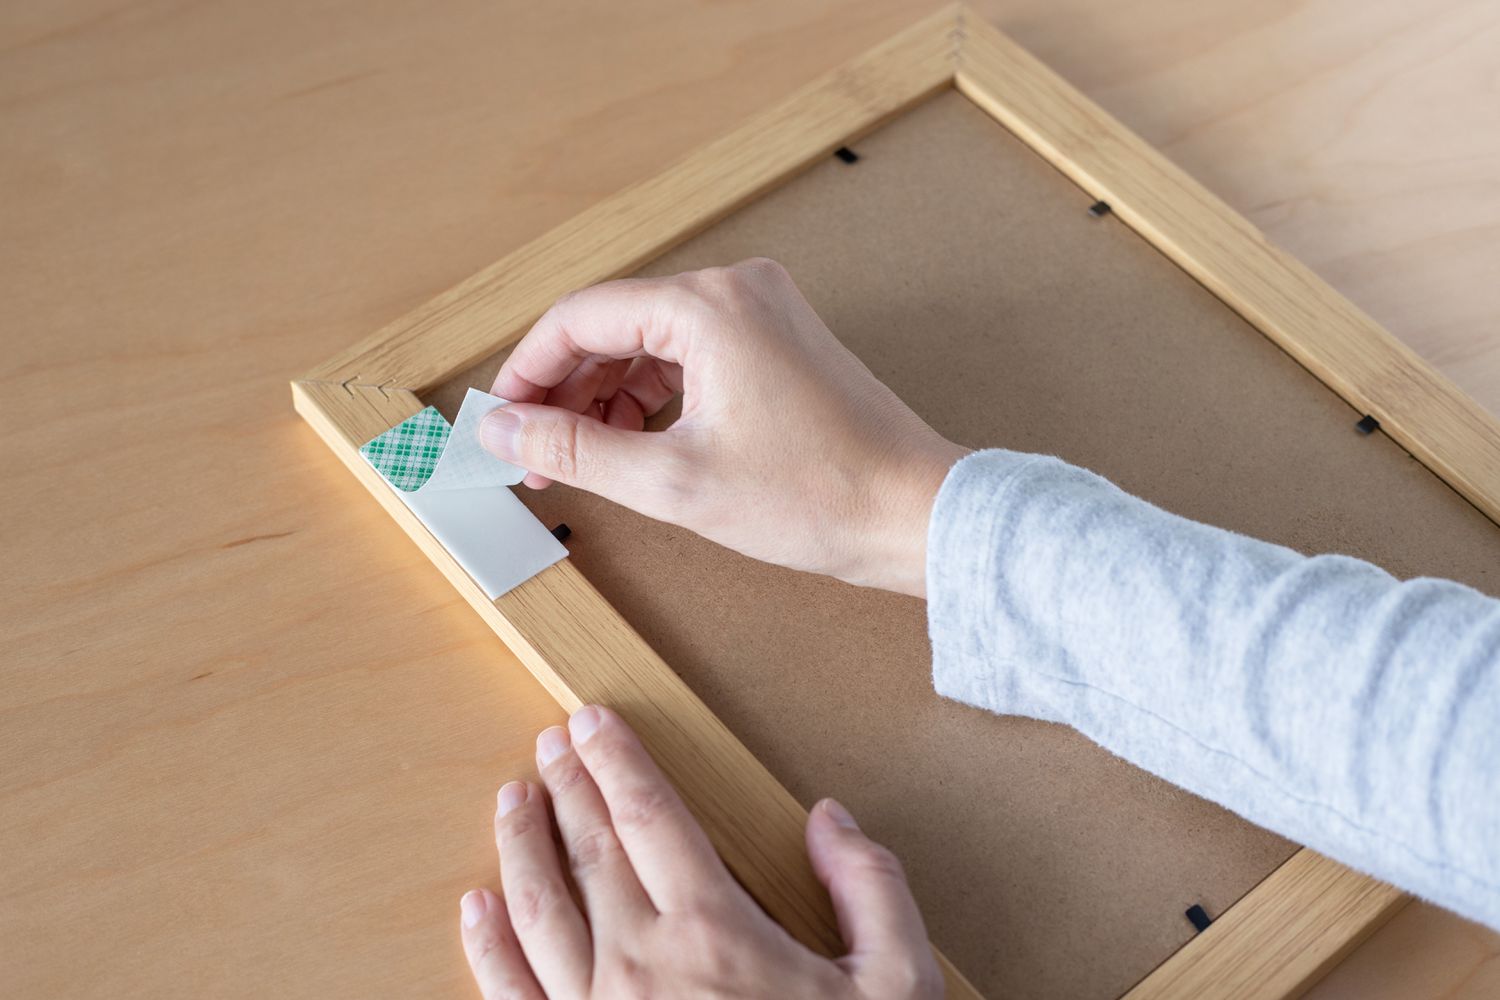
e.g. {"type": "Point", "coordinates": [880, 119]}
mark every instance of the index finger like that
{"type": "Point", "coordinates": [671, 855]}
{"type": "Point", "coordinates": [629, 318]}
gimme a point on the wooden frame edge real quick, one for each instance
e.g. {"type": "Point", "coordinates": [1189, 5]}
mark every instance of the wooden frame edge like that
{"type": "Point", "coordinates": [1280, 938]}
{"type": "Point", "coordinates": [1286, 931]}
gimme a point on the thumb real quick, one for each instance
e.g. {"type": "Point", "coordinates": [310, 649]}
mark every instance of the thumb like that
{"type": "Point", "coordinates": [561, 445]}
{"type": "Point", "coordinates": [876, 912]}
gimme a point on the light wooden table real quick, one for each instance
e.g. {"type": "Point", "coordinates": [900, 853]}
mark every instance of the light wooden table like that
{"type": "Point", "coordinates": [250, 738]}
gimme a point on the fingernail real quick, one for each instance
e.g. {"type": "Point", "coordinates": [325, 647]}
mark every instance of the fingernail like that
{"type": "Point", "coordinates": [551, 745]}
{"type": "Point", "coordinates": [839, 815]}
{"type": "Point", "coordinates": [512, 794]}
{"type": "Point", "coordinates": [500, 433]}
{"type": "Point", "coordinates": [584, 723]}
{"type": "Point", "coordinates": [472, 908]}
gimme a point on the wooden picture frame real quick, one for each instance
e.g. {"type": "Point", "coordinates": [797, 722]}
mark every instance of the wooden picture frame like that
{"type": "Point", "coordinates": [1290, 928]}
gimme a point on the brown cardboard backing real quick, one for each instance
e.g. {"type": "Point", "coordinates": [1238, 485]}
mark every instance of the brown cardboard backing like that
{"type": "Point", "coordinates": [969, 276]}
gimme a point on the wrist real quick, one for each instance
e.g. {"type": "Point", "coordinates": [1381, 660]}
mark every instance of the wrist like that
{"type": "Point", "coordinates": [894, 555]}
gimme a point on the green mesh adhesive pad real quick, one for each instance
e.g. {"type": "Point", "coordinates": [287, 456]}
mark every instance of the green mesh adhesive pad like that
{"type": "Point", "coordinates": [407, 454]}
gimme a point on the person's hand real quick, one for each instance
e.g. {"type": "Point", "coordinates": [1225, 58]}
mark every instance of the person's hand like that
{"type": "Point", "coordinates": [660, 914]}
{"type": "Point", "coordinates": [788, 449]}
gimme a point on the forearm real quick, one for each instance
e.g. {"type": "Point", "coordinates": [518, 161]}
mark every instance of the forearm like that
{"type": "Point", "coordinates": [1318, 697]}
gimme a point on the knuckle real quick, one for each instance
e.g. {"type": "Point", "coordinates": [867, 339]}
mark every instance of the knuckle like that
{"type": "Point", "coordinates": [565, 775]}
{"type": "Point", "coordinates": [718, 278]}
{"type": "Point", "coordinates": [735, 285]}
{"type": "Point", "coordinates": [699, 939]}
{"type": "Point", "coordinates": [555, 445]}
{"type": "Point", "coordinates": [878, 861]}
{"type": "Point", "coordinates": [919, 975]}
{"type": "Point", "coordinates": [640, 808]}
{"type": "Point", "coordinates": [607, 754]}
{"type": "Point", "coordinates": [721, 289]}
{"type": "Point", "coordinates": [491, 952]}
{"type": "Point", "coordinates": [630, 977]}
{"type": "Point", "coordinates": [692, 298]}
{"type": "Point", "coordinates": [516, 825]}
{"type": "Point", "coordinates": [591, 851]}
{"type": "Point", "coordinates": [754, 281]}
{"type": "Point", "coordinates": [762, 269]}
{"type": "Point", "coordinates": [716, 951]}
{"type": "Point", "coordinates": [531, 903]}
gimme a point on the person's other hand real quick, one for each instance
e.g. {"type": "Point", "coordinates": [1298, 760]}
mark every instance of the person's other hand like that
{"type": "Point", "coordinates": [660, 914]}
{"type": "Point", "coordinates": [788, 448]}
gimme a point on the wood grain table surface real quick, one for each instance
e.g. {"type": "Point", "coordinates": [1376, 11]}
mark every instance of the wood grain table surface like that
{"type": "Point", "coordinates": [250, 738]}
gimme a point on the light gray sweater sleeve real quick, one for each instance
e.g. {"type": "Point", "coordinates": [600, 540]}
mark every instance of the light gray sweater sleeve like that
{"type": "Point", "coordinates": [1318, 697]}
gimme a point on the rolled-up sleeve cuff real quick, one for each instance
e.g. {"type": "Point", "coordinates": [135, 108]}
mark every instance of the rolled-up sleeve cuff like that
{"type": "Point", "coordinates": [966, 546]}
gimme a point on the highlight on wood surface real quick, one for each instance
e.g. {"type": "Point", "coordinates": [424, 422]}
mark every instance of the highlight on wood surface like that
{"type": "Point", "coordinates": [1283, 934]}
